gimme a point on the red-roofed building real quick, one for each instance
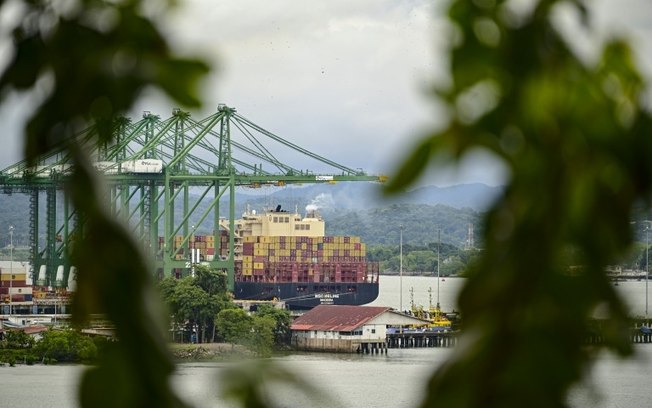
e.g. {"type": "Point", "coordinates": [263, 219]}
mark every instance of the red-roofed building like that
{"type": "Point", "coordinates": [347, 328]}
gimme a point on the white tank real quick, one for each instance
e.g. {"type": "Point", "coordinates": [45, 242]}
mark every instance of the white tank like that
{"type": "Point", "coordinates": [72, 279]}
{"type": "Point", "coordinates": [41, 273]}
{"type": "Point", "coordinates": [59, 277]}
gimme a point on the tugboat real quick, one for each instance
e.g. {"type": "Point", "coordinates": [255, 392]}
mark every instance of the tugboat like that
{"type": "Point", "coordinates": [437, 318]}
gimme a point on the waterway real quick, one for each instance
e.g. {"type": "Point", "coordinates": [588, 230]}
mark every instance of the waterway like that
{"type": "Point", "coordinates": [393, 380]}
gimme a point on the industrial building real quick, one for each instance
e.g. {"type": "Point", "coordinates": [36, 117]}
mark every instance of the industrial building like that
{"type": "Point", "coordinates": [347, 329]}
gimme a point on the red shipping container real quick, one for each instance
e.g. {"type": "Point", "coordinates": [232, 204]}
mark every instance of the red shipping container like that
{"type": "Point", "coordinates": [14, 284]}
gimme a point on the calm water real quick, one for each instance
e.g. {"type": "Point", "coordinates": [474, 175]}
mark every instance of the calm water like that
{"type": "Point", "coordinates": [395, 380]}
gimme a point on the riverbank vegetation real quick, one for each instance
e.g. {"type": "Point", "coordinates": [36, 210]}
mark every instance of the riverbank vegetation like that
{"type": "Point", "coordinates": [202, 311]}
{"type": "Point", "coordinates": [61, 345]}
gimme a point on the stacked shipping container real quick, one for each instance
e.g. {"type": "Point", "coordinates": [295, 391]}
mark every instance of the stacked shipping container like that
{"type": "Point", "coordinates": [14, 286]}
{"type": "Point", "coordinates": [203, 244]}
{"type": "Point", "coordinates": [285, 259]}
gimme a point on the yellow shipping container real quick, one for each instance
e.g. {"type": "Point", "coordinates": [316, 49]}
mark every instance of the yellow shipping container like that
{"type": "Point", "coordinates": [6, 276]}
{"type": "Point", "coordinates": [258, 265]}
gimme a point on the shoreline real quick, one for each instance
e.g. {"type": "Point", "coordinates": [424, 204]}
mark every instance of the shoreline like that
{"type": "Point", "coordinates": [184, 352]}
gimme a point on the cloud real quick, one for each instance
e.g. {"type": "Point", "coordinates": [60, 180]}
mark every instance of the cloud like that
{"type": "Point", "coordinates": [344, 79]}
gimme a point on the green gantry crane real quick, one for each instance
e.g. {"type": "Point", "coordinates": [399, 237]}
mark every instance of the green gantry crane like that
{"type": "Point", "coordinates": [150, 168]}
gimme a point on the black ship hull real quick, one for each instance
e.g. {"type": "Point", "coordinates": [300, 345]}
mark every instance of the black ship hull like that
{"type": "Point", "coordinates": [303, 295]}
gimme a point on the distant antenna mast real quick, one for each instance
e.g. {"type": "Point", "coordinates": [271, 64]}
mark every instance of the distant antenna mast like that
{"type": "Point", "coordinates": [470, 244]}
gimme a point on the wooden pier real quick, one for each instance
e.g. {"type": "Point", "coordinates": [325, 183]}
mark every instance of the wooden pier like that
{"type": "Point", "coordinates": [637, 335]}
{"type": "Point", "coordinates": [415, 339]}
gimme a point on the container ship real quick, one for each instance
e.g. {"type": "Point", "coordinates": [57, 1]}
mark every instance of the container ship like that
{"type": "Point", "coordinates": [280, 255]}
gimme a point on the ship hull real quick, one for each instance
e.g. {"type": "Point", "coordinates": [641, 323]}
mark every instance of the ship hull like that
{"type": "Point", "coordinates": [300, 295]}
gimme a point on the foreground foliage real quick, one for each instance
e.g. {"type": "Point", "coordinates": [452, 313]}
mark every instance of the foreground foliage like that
{"type": "Point", "coordinates": [573, 135]}
{"type": "Point", "coordinates": [82, 61]}
{"type": "Point", "coordinates": [575, 138]}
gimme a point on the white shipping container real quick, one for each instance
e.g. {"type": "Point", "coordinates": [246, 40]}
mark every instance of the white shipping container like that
{"type": "Point", "coordinates": [21, 290]}
{"type": "Point", "coordinates": [41, 171]}
{"type": "Point", "coordinates": [143, 166]}
{"type": "Point", "coordinates": [106, 167]}
{"type": "Point", "coordinates": [14, 172]}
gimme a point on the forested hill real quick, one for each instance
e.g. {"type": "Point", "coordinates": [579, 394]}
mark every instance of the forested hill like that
{"type": "Point", "coordinates": [420, 222]}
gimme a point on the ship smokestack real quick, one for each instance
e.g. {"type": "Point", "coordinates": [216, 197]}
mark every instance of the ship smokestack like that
{"type": "Point", "coordinates": [311, 209]}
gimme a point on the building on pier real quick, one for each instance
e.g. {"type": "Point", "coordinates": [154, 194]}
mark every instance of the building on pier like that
{"type": "Point", "coordinates": [336, 328]}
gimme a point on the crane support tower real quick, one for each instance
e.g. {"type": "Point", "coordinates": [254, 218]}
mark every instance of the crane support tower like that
{"type": "Point", "coordinates": [165, 178]}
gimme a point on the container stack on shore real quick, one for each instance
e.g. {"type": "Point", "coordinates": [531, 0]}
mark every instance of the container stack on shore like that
{"type": "Point", "coordinates": [14, 285]}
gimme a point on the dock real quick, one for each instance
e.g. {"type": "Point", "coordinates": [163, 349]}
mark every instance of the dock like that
{"type": "Point", "coordinates": [421, 338]}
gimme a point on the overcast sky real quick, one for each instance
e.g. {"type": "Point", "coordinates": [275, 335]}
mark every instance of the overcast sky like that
{"type": "Point", "coordinates": [344, 79]}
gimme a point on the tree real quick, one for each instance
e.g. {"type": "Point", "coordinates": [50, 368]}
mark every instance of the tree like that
{"type": "Point", "coordinates": [16, 339]}
{"type": "Point", "coordinates": [282, 322]}
{"type": "Point", "coordinates": [66, 346]}
{"type": "Point", "coordinates": [422, 261]}
{"type": "Point", "coordinates": [233, 325]}
{"type": "Point", "coordinates": [195, 301]}
{"type": "Point", "coordinates": [574, 136]}
{"type": "Point", "coordinates": [261, 336]}
{"type": "Point", "coordinates": [211, 281]}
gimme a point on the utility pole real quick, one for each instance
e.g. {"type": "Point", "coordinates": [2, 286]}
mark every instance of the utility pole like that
{"type": "Point", "coordinates": [647, 261]}
{"type": "Point", "coordinates": [438, 245]}
{"type": "Point", "coordinates": [401, 270]}
{"type": "Point", "coordinates": [11, 267]}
